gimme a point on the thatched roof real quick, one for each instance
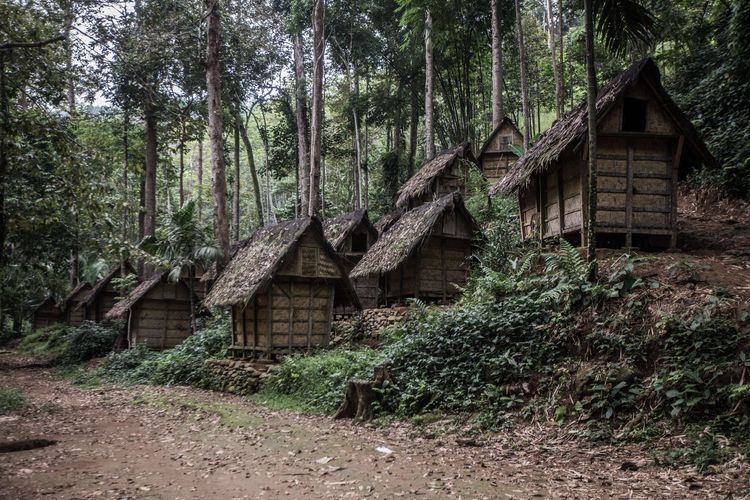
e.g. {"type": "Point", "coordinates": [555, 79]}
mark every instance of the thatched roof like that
{"type": "Point", "coordinates": [81, 287]}
{"type": "Point", "coordinates": [122, 307]}
{"type": "Point", "coordinates": [423, 180]}
{"type": "Point", "coordinates": [407, 235]}
{"type": "Point", "coordinates": [570, 132]}
{"type": "Point", "coordinates": [506, 122]}
{"type": "Point", "coordinates": [257, 259]}
{"type": "Point", "coordinates": [385, 222]}
{"type": "Point", "coordinates": [49, 299]}
{"type": "Point", "coordinates": [100, 285]}
{"type": "Point", "coordinates": [338, 228]}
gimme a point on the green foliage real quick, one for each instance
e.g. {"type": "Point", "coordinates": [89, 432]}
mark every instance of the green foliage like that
{"type": "Point", "coordinates": [88, 341]}
{"type": "Point", "coordinates": [11, 399]}
{"type": "Point", "coordinates": [52, 339]}
{"type": "Point", "coordinates": [181, 365]}
{"type": "Point", "coordinates": [317, 383]}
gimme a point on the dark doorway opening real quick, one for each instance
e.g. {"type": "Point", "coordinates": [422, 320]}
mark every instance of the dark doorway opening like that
{"type": "Point", "coordinates": [634, 112]}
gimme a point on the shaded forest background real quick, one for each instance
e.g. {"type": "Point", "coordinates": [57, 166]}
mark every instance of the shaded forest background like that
{"type": "Point", "coordinates": [120, 85]}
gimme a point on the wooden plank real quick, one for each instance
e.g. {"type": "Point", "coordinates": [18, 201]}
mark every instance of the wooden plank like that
{"type": "Point", "coordinates": [310, 316]}
{"type": "Point", "coordinates": [444, 285]}
{"type": "Point", "coordinates": [675, 178]}
{"type": "Point", "coordinates": [629, 200]}
{"type": "Point", "coordinates": [331, 297]}
{"type": "Point", "coordinates": [269, 315]}
{"type": "Point", "coordinates": [560, 200]}
{"type": "Point", "coordinates": [255, 322]}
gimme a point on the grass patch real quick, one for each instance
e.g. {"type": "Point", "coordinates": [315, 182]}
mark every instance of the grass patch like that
{"type": "Point", "coordinates": [229, 414]}
{"type": "Point", "coordinates": [52, 339]}
{"type": "Point", "coordinates": [11, 399]}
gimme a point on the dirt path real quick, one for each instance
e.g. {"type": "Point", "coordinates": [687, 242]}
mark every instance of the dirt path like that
{"type": "Point", "coordinates": [155, 442]}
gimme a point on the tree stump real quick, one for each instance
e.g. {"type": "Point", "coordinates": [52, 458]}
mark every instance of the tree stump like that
{"type": "Point", "coordinates": [361, 394]}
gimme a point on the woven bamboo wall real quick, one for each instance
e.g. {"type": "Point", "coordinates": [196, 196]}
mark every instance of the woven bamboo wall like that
{"type": "Point", "coordinates": [497, 157]}
{"type": "Point", "coordinates": [47, 315]}
{"type": "Point", "coordinates": [161, 319]}
{"type": "Point", "coordinates": [293, 314]}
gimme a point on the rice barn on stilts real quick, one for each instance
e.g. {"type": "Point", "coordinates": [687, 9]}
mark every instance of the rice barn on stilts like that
{"type": "Point", "coordinates": [500, 151]}
{"type": "Point", "coordinates": [645, 145]}
{"type": "Point", "coordinates": [426, 254]}
{"type": "Point", "coordinates": [282, 285]}
{"type": "Point", "coordinates": [46, 314]}
{"type": "Point", "coordinates": [72, 314]}
{"type": "Point", "coordinates": [351, 235]}
{"type": "Point", "coordinates": [157, 313]}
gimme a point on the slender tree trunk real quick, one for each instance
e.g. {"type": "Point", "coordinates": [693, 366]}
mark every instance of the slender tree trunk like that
{"type": "Point", "coordinates": [303, 139]}
{"type": "Point", "coordinates": [398, 131]}
{"type": "Point", "coordinates": [316, 128]}
{"type": "Point", "coordinates": [365, 156]}
{"type": "Point", "coordinates": [182, 161]}
{"type": "Point", "coordinates": [4, 130]}
{"type": "Point", "coordinates": [429, 125]}
{"type": "Point", "coordinates": [562, 56]}
{"type": "Point", "coordinates": [591, 91]}
{"type": "Point", "coordinates": [253, 170]}
{"type": "Point", "coordinates": [149, 206]}
{"type": "Point", "coordinates": [271, 210]}
{"type": "Point", "coordinates": [70, 19]}
{"type": "Point", "coordinates": [200, 177]}
{"type": "Point", "coordinates": [356, 145]}
{"type": "Point", "coordinates": [215, 129]}
{"type": "Point", "coordinates": [125, 188]}
{"type": "Point", "coordinates": [413, 129]}
{"type": "Point", "coordinates": [498, 113]}
{"type": "Point", "coordinates": [524, 82]}
{"type": "Point", "coordinates": [236, 193]}
{"type": "Point", "coordinates": [553, 55]}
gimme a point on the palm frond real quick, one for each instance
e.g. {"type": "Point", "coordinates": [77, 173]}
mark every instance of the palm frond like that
{"type": "Point", "coordinates": [624, 24]}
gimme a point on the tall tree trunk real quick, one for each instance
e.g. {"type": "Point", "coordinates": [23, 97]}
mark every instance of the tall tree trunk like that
{"type": "Point", "coordinates": [4, 131]}
{"type": "Point", "coordinates": [498, 113]}
{"type": "Point", "coordinates": [413, 129]}
{"type": "Point", "coordinates": [253, 170]}
{"type": "Point", "coordinates": [316, 128]}
{"type": "Point", "coordinates": [303, 139]}
{"type": "Point", "coordinates": [553, 55]}
{"type": "Point", "coordinates": [71, 91]}
{"type": "Point", "coordinates": [270, 209]}
{"type": "Point", "coordinates": [215, 129]}
{"type": "Point", "coordinates": [524, 82]}
{"type": "Point", "coordinates": [141, 220]}
{"type": "Point", "coordinates": [182, 160]}
{"type": "Point", "coordinates": [429, 125]}
{"type": "Point", "coordinates": [562, 56]}
{"type": "Point", "coordinates": [591, 91]}
{"type": "Point", "coordinates": [356, 145]}
{"type": "Point", "coordinates": [149, 206]}
{"type": "Point", "coordinates": [365, 155]}
{"type": "Point", "coordinates": [236, 191]}
{"type": "Point", "coordinates": [125, 189]}
{"type": "Point", "coordinates": [199, 164]}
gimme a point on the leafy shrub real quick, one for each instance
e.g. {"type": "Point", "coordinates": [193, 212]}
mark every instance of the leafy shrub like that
{"type": "Point", "coordinates": [317, 383]}
{"type": "Point", "coordinates": [11, 399]}
{"type": "Point", "coordinates": [88, 341]}
{"type": "Point", "coordinates": [50, 339]}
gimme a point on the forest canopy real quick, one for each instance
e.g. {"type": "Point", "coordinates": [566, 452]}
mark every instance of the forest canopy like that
{"type": "Point", "coordinates": [114, 115]}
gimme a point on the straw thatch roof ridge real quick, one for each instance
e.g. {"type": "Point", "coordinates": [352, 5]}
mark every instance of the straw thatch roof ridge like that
{"type": "Point", "coordinates": [257, 259]}
{"type": "Point", "coordinates": [336, 229]}
{"type": "Point", "coordinates": [123, 306]}
{"type": "Point", "coordinates": [387, 220]}
{"type": "Point", "coordinates": [100, 285]}
{"type": "Point", "coordinates": [407, 235]}
{"type": "Point", "coordinates": [571, 130]}
{"type": "Point", "coordinates": [503, 122]}
{"type": "Point", "coordinates": [421, 182]}
{"type": "Point", "coordinates": [65, 302]}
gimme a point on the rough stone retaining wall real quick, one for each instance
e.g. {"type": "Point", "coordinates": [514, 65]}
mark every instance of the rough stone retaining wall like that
{"type": "Point", "coordinates": [238, 377]}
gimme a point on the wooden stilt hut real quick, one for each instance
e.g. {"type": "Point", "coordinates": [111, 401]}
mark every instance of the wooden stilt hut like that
{"type": "Point", "coordinates": [445, 173]}
{"type": "Point", "coordinates": [47, 313]}
{"type": "Point", "coordinates": [645, 145]}
{"type": "Point", "coordinates": [282, 285]}
{"type": "Point", "coordinates": [500, 150]}
{"type": "Point", "coordinates": [103, 294]}
{"type": "Point", "coordinates": [425, 254]}
{"type": "Point", "coordinates": [351, 235]}
{"type": "Point", "coordinates": [156, 313]}
{"type": "Point", "coordinates": [74, 315]}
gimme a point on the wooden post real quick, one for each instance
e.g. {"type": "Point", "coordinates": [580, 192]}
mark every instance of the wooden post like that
{"type": "Point", "coordinates": [542, 190]}
{"type": "Point", "coordinates": [444, 270]}
{"type": "Point", "coordinates": [584, 178]}
{"type": "Point", "coordinates": [675, 179]}
{"type": "Point", "coordinates": [255, 325]}
{"type": "Point", "coordinates": [269, 321]}
{"type": "Point", "coordinates": [331, 297]}
{"type": "Point", "coordinates": [629, 199]}
{"type": "Point", "coordinates": [560, 200]}
{"type": "Point", "coordinates": [166, 325]}
{"type": "Point", "coordinates": [311, 302]}
{"type": "Point", "coordinates": [400, 283]}
{"type": "Point", "coordinates": [243, 329]}
{"type": "Point", "coordinates": [417, 275]}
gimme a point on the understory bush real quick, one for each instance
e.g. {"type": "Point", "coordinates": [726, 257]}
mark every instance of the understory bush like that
{"type": "Point", "coordinates": [181, 365]}
{"type": "Point", "coordinates": [317, 383]}
{"type": "Point", "coordinates": [90, 340]}
{"type": "Point", "coordinates": [11, 399]}
{"type": "Point", "coordinates": [50, 339]}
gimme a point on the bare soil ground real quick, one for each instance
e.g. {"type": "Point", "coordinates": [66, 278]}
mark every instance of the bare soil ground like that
{"type": "Point", "coordinates": [157, 442]}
